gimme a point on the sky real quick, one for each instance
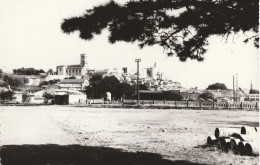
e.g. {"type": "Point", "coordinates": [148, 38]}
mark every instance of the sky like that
{"type": "Point", "coordinates": [30, 36]}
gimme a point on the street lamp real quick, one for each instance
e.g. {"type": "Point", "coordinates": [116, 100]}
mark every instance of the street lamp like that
{"type": "Point", "coordinates": [138, 95]}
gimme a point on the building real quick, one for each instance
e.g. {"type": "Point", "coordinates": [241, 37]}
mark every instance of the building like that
{"type": "Point", "coordinates": [251, 97]}
{"type": "Point", "coordinates": [74, 70]}
{"type": "Point", "coordinates": [36, 99]}
{"type": "Point", "coordinates": [65, 97]}
{"type": "Point", "coordinates": [33, 81]}
{"type": "Point", "coordinates": [17, 97]}
{"type": "Point", "coordinates": [94, 72]}
{"type": "Point", "coordinates": [77, 84]}
{"type": "Point", "coordinates": [154, 72]}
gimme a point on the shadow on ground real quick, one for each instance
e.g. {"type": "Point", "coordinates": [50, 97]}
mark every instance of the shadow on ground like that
{"type": "Point", "coordinates": [76, 154]}
{"type": "Point", "coordinates": [245, 123]}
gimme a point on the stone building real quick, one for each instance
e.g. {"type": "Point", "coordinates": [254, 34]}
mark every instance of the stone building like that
{"type": "Point", "coordinates": [74, 70]}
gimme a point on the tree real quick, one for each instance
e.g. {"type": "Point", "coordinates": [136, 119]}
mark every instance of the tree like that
{"type": "Point", "coordinates": [181, 27]}
{"type": "Point", "coordinates": [1, 73]}
{"type": "Point", "coordinates": [206, 96]}
{"type": "Point", "coordinates": [4, 85]}
{"type": "Point", "coordinates": [72, 77]}
{"type": "Point", "coordinates": [44, 83]}
{"type": "Point", "coordinates": [25, 96]}
{"type": "Point", "coordinates": [108, 84]}
{"type": "Point", "coordinates": [172, 96]}
{"type": "Point", "coordinates": [217, 86]}
{"type": "Point", "coordinates": [6, 78]}
{"type": "Point", "coordinates": [253, 91]}
{"type": "Point", "coordinates": [51, 82]}
{"type": "Point", "coordinates": [48, 96]}
{"type": "Point", "coordinates": [50, 72]}
{"type": "Point", "coordinates": [56, 81]}
{"type": "Point", "coordinates": [123, 89]}
{"type": "Point", "coordinates": [27, 71]}
{"type": "Point", "coordinates": [92, 90]}
{"type": "Point", "coordinates": [7, 95]}
{"type": "Point", "coordinates": [143, 87]}
{"type": "Point", "coordinates": [13, 81]}
{"type": "Point", "coordinates": [25, 80]}
{"type": "Point", "coordinates": [89, 90]}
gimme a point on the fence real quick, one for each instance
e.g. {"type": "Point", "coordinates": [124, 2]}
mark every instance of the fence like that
{"type": "Point", "coordinates": [197, 104]}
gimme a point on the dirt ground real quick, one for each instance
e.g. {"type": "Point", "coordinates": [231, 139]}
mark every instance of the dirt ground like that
{"type": "Point", "coordinates": [175, 135]}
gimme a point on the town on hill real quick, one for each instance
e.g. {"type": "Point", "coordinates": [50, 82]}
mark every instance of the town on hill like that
{"type": "Point", "coordinates": [79, 84]}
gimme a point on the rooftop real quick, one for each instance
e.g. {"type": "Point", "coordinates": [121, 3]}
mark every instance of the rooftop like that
{"type": "Point", "coordinates": [75, 66]}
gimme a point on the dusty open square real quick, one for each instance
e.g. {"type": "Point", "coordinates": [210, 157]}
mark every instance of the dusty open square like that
{"type": "Point", "coordinates": [177, 135]}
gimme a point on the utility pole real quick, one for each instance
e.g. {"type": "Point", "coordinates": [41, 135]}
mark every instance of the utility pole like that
{"type": "Point", "coordinates": [234, 97]}
{"type": "Point", "coordinates": [236, 87]}
{"type": "Point", "coordinates": [137, 83]}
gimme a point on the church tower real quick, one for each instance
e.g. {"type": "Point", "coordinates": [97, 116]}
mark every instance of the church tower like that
{"type": "Point", "coordinates": [83, 60]}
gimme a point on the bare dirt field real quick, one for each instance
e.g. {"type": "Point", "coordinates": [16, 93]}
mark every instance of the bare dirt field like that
{"type": "Point", "coordinates": [73, 135]}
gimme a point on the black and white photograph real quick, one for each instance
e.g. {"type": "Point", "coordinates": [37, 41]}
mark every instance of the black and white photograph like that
{"type": "Point", "coordinates": [129, 82]}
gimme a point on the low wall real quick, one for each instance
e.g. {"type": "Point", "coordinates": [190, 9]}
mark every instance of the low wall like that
{"type": "Point", "coordinates": [196, 104]}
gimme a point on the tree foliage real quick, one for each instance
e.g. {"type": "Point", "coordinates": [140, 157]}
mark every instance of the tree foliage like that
{"type": "Point", "coordinates": [50, 72]}
{"type": "Point", "coordinates": [25, 96]}
{"type": "Point", "coordinates": [99, 86]}
{"type": "Point", "coordinates": [4, 84]}
{"type": "Point", "coordinates": [50, 82]}
{"type": "Point", "coordinates": [13, 81]}
{"type": "Point", "coordinates": [108, 84]}
{"type": "Point", "coordinates": [44, 83]}
{"type": "Point", "coordinates": [92, 90]}
{"type": "Point", "coordinates": [206, 96]}
{"type": "Point", "coordinates": [217, 86]}
{"type": "Point", "coordinates": [143, 87]}
{"type": "Point", "coordinates": [72, 77]}
{"type": "Point", "coordinates": [25, 80]}
{"type": "Point", "coordinates": [27, 71]}
{"type": "Point", "coordinates": [253, 91]}
{"type": "Point", "coordinates": [181, 27]}
{"type": "Point", "coordinates": [123, 90]}
{"type": "Point", "coordinates": [1, 73]}
{"type": "Point", "coordinates": [48, 96]}
{"type": "Point", "coordinates": [7, 95]}
{"type": "Point", "coordinates": [165, 95]}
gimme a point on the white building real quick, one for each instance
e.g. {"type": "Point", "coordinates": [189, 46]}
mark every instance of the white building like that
{"type": "Point", "coordinates": [18, 97]}
{"type": "Point", "coordinates": [33, 81]}
{"type": "Point", "coordinates": [65, 97]}
{"type": "Point", "coordinates": [36, 99]}
{"type": "Point", "coordinates": [77, 84]}
{"type": "Point", "coordinates": [74, 70]}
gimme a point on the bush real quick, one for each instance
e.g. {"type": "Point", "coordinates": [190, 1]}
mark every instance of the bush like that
{"type": "Point", "coordinates": [48, 96]}
{"type": "Point", "coordinates": [6, 95]}
{"type": "Point", "coordinates": [44, 83]}
{"type": "Point", "coordinates": [206, 96]}
{"type": "Point", "coordinates": [4, 85]}
{"type": "Point", "coordinates": [253, 91]}
{"type": "Point", "coordinates": [13, 81]}
{"type": "Point", "coordinates": [27, 71]}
